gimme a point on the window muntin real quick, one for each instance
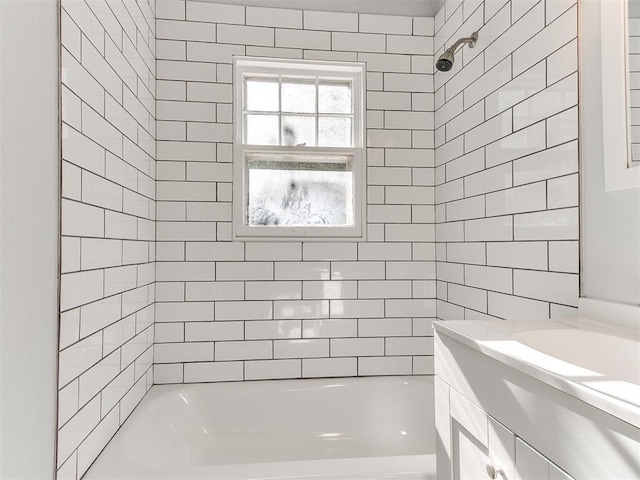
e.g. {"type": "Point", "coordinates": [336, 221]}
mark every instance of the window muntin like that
{"type": "Point", "coordinates": [299, 156]}
{"type": "Point", "coordinates": [309, 111]}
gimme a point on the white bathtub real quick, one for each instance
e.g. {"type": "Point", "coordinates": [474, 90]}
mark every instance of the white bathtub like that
{"type": "Point", "coordinates": [356, 428]}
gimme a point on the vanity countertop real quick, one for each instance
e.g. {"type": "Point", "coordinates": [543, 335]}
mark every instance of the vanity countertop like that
{"type": "Point", "coordinates": [595, 362]}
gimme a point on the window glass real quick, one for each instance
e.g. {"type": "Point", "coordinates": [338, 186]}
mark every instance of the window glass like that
{"type": "Point", "coordinates": [299, 193]}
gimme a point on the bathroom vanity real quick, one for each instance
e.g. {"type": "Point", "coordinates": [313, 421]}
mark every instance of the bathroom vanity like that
{"type": "Point", "coordinates": [540, 400]}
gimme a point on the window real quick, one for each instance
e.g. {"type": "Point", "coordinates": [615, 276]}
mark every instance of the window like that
{"type": "Point", "coordinates": [299, 153]}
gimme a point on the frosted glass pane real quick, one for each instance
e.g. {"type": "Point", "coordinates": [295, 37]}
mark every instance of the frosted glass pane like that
{"type": "Point", "coordinates": [262, 130]}
{"type": "Point", "coordinates": [298, 97]}
{"type": "Point", "coordinates": [262, 96]}
{"type": "Point", "coordinates": [299, 197]}
{"type": "Point", "coordinates": [299, 131]}
{"type": "Point", "coordinates": [334, 132]}
{"type": "Point", "coordinates": [334, 98]}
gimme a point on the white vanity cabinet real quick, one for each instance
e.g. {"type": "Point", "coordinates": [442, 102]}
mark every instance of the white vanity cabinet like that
{"type": "Point", "coordinates": [478, 447]}
{"type": "Point", "coordinates": [503, 412]}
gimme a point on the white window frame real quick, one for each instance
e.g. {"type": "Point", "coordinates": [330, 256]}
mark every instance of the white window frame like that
{"type": "Point", "coordinates": [355, 72]}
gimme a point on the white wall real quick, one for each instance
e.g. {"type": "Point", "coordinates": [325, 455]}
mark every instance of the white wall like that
{"type": "Point", "coordinates": [108, 222]}
{"type": "Point", "coordinates": [29, 173]}
{"type": "Point", "coordinates": [232, 310]}
{"type": "Point", "coordinates": [611, 220]}
{"type": "Point", "coordinates": [507, 161]}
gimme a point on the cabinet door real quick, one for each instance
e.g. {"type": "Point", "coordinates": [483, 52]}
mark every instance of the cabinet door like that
{"type": "Point", "coordinates": [531, 465]}
{"type": "Point", "coordinates": [478, 443]}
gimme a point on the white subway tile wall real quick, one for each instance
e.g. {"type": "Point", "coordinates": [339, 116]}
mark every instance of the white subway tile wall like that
{"type": "Point", "coordinates": [241, 311]}
{"type": "Point", "coordinates": [634, 85]}
{"type": "Point", "coordinates": [507, 160]}
{"type": "Point", "coordinates": [108, 222]}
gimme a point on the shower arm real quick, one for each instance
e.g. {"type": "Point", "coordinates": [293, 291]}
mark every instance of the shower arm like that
{"type": "Point", "coordinates": [470, 40]}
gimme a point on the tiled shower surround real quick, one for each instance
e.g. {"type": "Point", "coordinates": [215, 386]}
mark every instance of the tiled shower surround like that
{"type": "Point", "coordinates": [108, 229]}
{"type": "Point", "coordinates": [507, 161]}
{"type": "Point", "coordinates": [229, 310]}
{"type": "Point", "coordinates": [476, 168]}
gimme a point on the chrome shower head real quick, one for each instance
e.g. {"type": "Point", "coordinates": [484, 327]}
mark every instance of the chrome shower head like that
{"type": "Point", "coordinates": [445, 62]}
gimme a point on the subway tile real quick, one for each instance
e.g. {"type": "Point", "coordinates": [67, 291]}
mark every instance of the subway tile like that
{"type": "Point", "coordinates": [329, 251]}
{"type": "Point", "coordinates": [384, 289]}
{"type": "Point", "coordinates": [192, 71]}
{"type": "Point", "coordinates": [406, 44]}
{"type": "Point", "coordinates": [270, 251]}
{"type": "Point", "coordinates": [185, 30]}
{"type": "Point", "coordinates": [564, 257]}
{"type": "Point", "coordinates": [302, 271]}
{"type": "Point", "coordinates": [272, 369]}
{"type": "Point", "coordinates": [303, 309]}
{"type": "Point", "coordinates": [468, 252]}
{"type": "Point", "coordinates": [561, 224]}
{"type": "Point", "coordinates": [76, 430]}
{"type": "Point", "coordinates": [244, 271]}
{"type": "Point", "coordinates": [77, 358]}
{"type": "Point", "coordinates": [214, 251]}
{"type": "Point", "coordinates": [183, 352]}
{"type": "Point", "coordinates": [373, 366]}
{"type": "Point", "coordinates": [303, 39]}
{"type": "Point", "coordinates": [450, 272]}
{"type": "Point", "coordinates": [356, 308]}
{"type": "Point", "coordinates": [330, 290]}
{"type": "Point", "coordinates": [388, 101]}
{"type": "Point", "coordinates": [517, 145]}
{"type": "Point", "coordinates": [171, 9]}
{"type": "Point", "coordinates": [243, 310]}
{"type": "Point", "coordinates": [358, 42]}
{"type": "Point", "coordinates": [489, 278]}
{"type": "Point", "coordinates": [273, 329]}
{"type": "Point", "coordinates": [386, 24]}
{"type": "Point", "coordinates": [384, 62]}
{"type": "Point", "coordinates": [245, 35]}
{"type": "Point", "coordinates": [380, 251]}
{"type": "Point", "coordinates": [491, 130]}
{"type": "Point", "coordinates": [526, 198]}
{"type": "Point", "coordinates": [554, 99]}
{"type": "Point", "coordinates": [303, 348]}
{"type": "Point", "coordinates": [527, 255]}
{"type": "Point", "coordinates": [562, 62]}
{"type": "Point", "coordinates": [516, 308]}
{"type": "Point", "coordinates": [329, 367]}
{"type": "Point", "coordinates": [168, 373]}
{"type": "Point", "coordinates": [559, 32]}
{"type": "Point", "coordinates": [493, 179]}
{"type": "Point", "coordinates": [329, 328]}
{"type": "Point", "coordinates": [563, 192]}
{"type": "Point", "coordinates": [467, 297]}
{"type": "Point", "coordinates": [357, 347]}
{"type": "Point", "coordinates": [245, 350]}
{"type": "Point", "coordinates": [396, 346]}
{"type": "Point", "coordinates": [410, 308]}
{"type": "Point", "coordinates": [273, 290]}
{"type": "Point", "coordinates": [518, 34]}
{"type": "Point", "coordinates": [554, 162]}
{"type": "Point", "coordinates": [559, 288]}
{"type": "Point", "coordinates": [184, 311]}
{"type": "Point", "coordinates": [385, 327]}
{"type": "Point", "coordinates": [330, 21]}
{"type": "Point", "coordinates": [274, 17]}
{"type": "Point", "coordinates": [212, 331]}
{"type": "Point", "coordinates": [215, 13]}
{"type": "Point", "coordinates": [80, 288]}
{"type": "Point", "coordinates": [563, 127]}
{"type": "Point", "coordinates": [199, 372]}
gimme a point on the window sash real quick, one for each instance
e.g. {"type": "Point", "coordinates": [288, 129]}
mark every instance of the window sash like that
{"type": "Point", "coordinates": [322, 73]}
